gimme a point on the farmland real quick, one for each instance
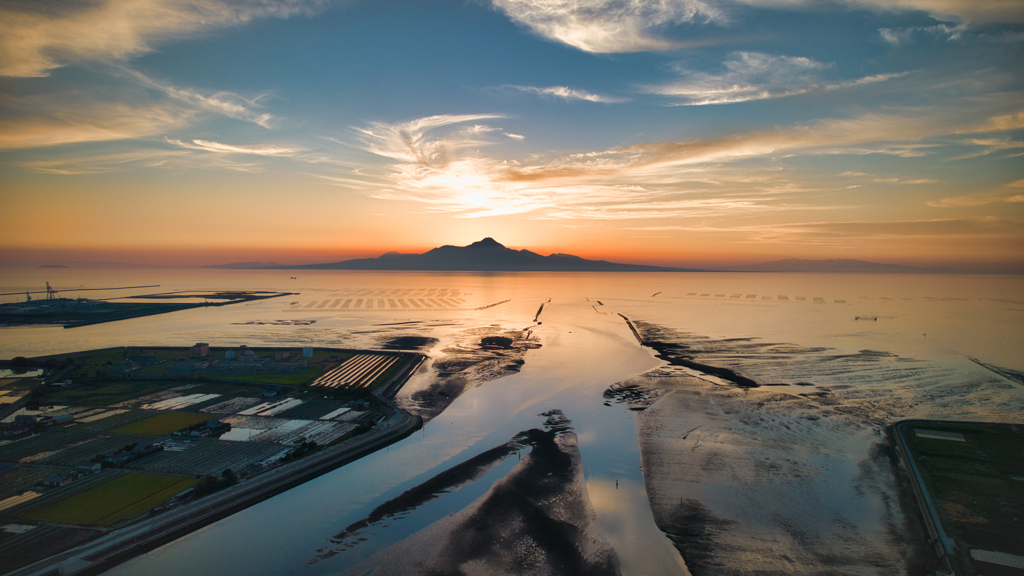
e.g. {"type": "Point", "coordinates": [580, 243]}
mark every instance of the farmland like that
{"type": "Point", "coordinates": [98, 450]}
{"type": "Point", "coordinates": [970, 478]}
{"type": "Point", "coordinates": [120, 499]}
{"type": "Point", "coordinates": [163, 424]}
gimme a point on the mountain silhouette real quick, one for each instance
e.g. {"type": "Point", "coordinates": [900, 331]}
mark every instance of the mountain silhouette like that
{"type": "Point", "coordinates": [487, 255]}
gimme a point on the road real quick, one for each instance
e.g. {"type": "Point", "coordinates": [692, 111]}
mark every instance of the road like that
{"type": "Point", "coordinates": [107, 551]}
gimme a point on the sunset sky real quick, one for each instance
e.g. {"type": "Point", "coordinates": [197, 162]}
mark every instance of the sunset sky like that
{"type": "Point", "coordinates": [673, 132]}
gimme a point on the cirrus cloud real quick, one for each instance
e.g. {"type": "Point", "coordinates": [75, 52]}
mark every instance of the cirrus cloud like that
{"type": "Point", "coordinates": [36, 38]}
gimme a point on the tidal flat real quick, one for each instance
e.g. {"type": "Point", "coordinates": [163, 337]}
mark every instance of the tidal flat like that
{"type": "Point", "coordinates": [798, 475]}
{"type": "Point", "coordinates": [673, 459]}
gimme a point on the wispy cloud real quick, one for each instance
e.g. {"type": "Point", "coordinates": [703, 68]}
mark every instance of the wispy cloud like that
{"type": "Point", "coordinates": [1011, 193]}
{"type": "Point", "coordinates": [407, 141]}
{"type": "Point", "coordinates": [610, 26]}
{"type": "Point", "coordinates": [900, 36]}
{"type": "Point", "coordinates": [566, 93]}
{"type": "Point", "coordinates": [224, 103]}
{"type": "Point", "coordinates": [755, 76]}
{"type": "Point", "coordinates": [93, 122]}
{"type": "Point", "coordinates": [889, 179]}
{"type": "Point", "coordinates": [180, 159]}
{"type": "Point", "coordinates": [991, 145]}
{"type": "Point", "coordinates": [101, 163]}
{"type": "Point", "coordinates": [218, 148]}
{"type": "Point", "coordinates": [439, 162]}
{"type": "Point", "coordinates": [38, 37]}
{"type": "Point", "coordinates": [607, 26]}
{"type": "Point", "coordinates": [1007, 11]}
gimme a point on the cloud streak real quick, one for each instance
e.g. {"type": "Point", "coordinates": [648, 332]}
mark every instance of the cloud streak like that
{"type": "Point", "coordinates": [439, 162]}
{"type": "Point", "coordinates": [93, 122]}
{"type": "Point", "coordinates": [36, 38]}
{"type": "Point", "coordinates": [612, 26]}
{"type": "Point", "coordinates": [224, 103]}
{"type": "Point", "coordinates": [566, 93]}
{"type": "Point", "coordinates": [755, 76]}
{"type": "Point", "coordinates": [607, 26]}
{"type": "Point", "coordinates": [218, 148]}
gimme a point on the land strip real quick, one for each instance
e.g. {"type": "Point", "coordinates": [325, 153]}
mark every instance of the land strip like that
{"type": "Point", "coordinates": [966, 478]}
{"type": "Point", "coordinates": [114, 548]}
{"type": "Point", "coordinates": [76, 312]}
{"type": "Point", "coordinates": [156, 417]}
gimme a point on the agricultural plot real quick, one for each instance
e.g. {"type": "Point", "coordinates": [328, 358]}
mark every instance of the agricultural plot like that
{"type": "Point", "coordinates": [92, 447]}
{"type": "Point", "coordinates": [96, 414]}
{"type": "Point", "coordinates": [48, 442]}
{"type": "Point", "coordinates": [312, 410]}
{"type": "Point", "coordinates": [357, 372]}
{"type": "Point", "coordinates": [105, 393]}
{"type": "Point", "coordinates": [116, 420]}
{"type": "Point", "coordinates": [17, 478]}
{"type": "Point", "coordinates": [271, 408]}
{"type": "Point", "coordinates": [231, 406]}
{"type": "Point", "coordinates": [210, 458]}
{"type": "Point", "coordinates": [154, 398]}
{"type": "Point", "coordinates": [296, 431]}
{"type": "Point", "coordinates": [973, 472]}
{"type": "Point", "coordinates": [52, 496]}
{"type": "Point", "coordinates": [163, 423]}
{"type": "Point", "coordinates": [120, 499]}
{"type": "Point", "coordinates": [179, 402]}
{"type": "Point", "coordinates": [335, 414]}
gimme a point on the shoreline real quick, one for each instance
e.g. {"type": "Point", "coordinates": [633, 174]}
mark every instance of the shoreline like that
{"type": "Point", "coordinates": [121, 545]}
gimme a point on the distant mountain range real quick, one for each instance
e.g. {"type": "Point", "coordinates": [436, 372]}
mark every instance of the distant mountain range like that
{"type": "Point", "coordinates": [489, 255]}
{"type": "Point", "coordinates": [483, 256]}
{"type": "Point", "coordinates": [833, 265]}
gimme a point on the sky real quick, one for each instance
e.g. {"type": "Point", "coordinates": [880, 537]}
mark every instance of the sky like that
{"type": "Point", "coordinates": [671, 132]}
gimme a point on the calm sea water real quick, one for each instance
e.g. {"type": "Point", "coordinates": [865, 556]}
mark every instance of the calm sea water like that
{"type": "Point", "coordinates": [586, 347]}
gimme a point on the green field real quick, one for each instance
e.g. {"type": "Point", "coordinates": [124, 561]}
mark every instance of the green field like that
{"type": "Point", "coordinates": [978, 500]}
{"type": "Point", "coordinates": [288, 378]}
{"type": "Point", "coordinates": [163, 424]}
{"type": "Point", "coordinates": [123, 498]}
{"type": "Point", "coordinates": [106, 393]}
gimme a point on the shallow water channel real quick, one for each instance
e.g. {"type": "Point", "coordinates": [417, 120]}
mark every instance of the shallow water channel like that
{"type": "Point", "coordinates": [283, 535]}
{"type": "Point", "coordinates": [879, 347]}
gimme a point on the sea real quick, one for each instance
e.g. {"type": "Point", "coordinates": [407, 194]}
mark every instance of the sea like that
{"type": "Point", "coordinates": [953, 328]}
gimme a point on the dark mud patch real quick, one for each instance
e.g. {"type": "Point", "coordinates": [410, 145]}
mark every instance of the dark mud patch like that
{"type": "Point", "coordinates": [678, 354]}
{"type": "Point", "coordinates": [476, 356]}
{"type": "Point", "coordinates": [636, 396]}
{"type": "Point", "coordinates": [537, 519]}
{"type": "Point", "coordinates": [693, 528]}
{"type": "Point", "coordinates": [409, 343]}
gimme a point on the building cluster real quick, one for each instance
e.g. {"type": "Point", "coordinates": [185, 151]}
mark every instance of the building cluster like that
{"type": "Point", "coordinates": [208, 429]}
{"type": "Point", "coordinates": [243, 359]}
{"type": "Point", "coordinates": [28, 424]}
{"type": "Point", "coordinates": [81, 469]}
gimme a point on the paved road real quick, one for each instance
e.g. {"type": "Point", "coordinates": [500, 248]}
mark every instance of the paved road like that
{"type": "Point", "coordinates": [107, 551]}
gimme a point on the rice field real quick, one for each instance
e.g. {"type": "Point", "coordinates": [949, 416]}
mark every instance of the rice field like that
{"type": "Point", "coordinates": [116, 419]}
{"type": "Point", "coordinates": [357, 372]}
{"type": "Point", "coordinates": [120, 499]}
{"type": "Point", "coordinates": [163, 423]}
{"type": "Point", "coordinates": [49, 441]}
{"type": "Point", "coordinates": [89, 449]}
